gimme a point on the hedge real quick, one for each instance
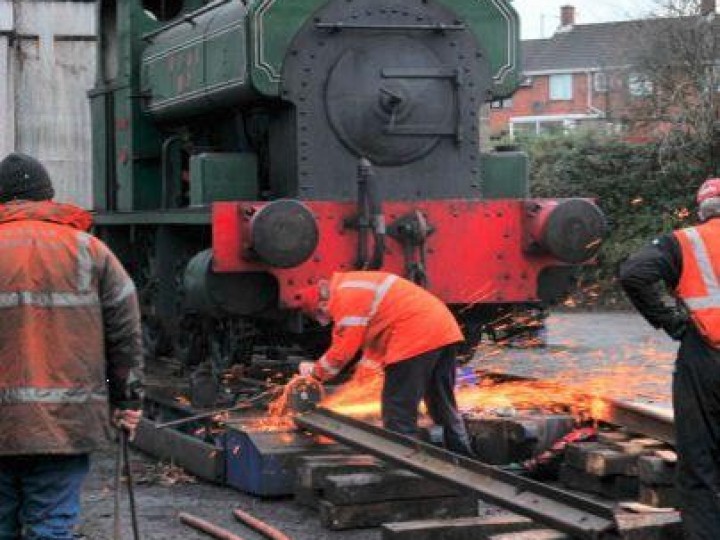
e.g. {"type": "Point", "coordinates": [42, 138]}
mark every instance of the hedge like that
{"type": "Point", "coordinates": [644, 189]}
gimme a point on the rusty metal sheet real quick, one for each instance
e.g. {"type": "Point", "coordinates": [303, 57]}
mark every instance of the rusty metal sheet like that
{"type": "Point", "coordinates": [44, 78]}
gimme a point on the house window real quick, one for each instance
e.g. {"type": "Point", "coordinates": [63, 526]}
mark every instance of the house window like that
{"type": "Point", "coordinates": [501, 103]}
{"type": "Point", "coordinates": [639, 86]}
{"type": "Point", "coordinates": [561, 86]}
{"type": "Point", "coordinates": [600, 82]}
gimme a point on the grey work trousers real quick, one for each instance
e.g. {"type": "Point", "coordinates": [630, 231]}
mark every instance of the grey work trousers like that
{"type": "Point", "coordinates": [430, 377]}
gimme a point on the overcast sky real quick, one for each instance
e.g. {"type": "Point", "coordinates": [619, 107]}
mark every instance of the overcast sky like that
{"type": "Point", "coordinates": [540, 18]}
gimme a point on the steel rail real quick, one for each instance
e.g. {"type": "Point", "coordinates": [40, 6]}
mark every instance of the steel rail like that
{"type": "Point", "coordinates": [567, 512]}
{"type": "Point", "coordinates": [655, 422]}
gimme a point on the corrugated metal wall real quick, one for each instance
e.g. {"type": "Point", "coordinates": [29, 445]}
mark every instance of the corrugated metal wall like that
{"type": "Point", "coordinates": [47, 66]}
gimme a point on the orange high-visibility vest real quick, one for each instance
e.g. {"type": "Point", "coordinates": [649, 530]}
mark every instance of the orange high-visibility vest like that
{"type": "Point", "coordinates": [390, 318]}
{"type": "Point", "coordinates": [699, 287]}
{"type": "Point", "coordinates": [69, 322]}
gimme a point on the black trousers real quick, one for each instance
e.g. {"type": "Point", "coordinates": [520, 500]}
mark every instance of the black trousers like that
{"type": "Point", "coordinates": [430, 377]}
{"type": "Point", "coordinates": [696, 400]}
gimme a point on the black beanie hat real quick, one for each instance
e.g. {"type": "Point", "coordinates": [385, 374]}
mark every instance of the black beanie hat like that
{"type": "Point", "coordinates": [23, 177]}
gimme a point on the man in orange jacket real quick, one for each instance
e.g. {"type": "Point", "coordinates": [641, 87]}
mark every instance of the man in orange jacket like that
{"type": "Point", "coordinates": [687, 262]}
{"type": "Point", "coordinates": [70, 343]}
{"type": "Point", "coordinates": [402, 329]}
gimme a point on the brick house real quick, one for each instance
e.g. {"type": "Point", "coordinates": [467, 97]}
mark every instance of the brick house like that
{"type": "Point", "coordinates": [582, 76]}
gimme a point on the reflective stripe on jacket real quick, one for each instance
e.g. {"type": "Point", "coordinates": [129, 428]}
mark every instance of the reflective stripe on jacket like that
{"type": "Point", "coordinates": [390, 318]}
{"type": "Point", "coordinates": [69, 331]}
{"type": "Point", "coordinates": [699, 288]}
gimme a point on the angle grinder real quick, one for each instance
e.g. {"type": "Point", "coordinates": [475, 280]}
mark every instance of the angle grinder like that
{"type": "Point", "coordinates": [302, 394]}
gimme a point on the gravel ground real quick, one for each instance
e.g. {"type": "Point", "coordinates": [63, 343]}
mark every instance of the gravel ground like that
{"type": "Point", "coordinates": [583, 347]}
{"type": "Point", "coordinates": [159, 505]}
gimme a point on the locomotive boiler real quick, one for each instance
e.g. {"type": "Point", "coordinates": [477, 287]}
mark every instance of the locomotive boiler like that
{"type": "Point", "coordinates": [244, 149]}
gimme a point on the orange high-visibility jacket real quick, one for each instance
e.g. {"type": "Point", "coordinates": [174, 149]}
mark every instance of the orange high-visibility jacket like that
{"type": "Point", "coordinates": [390, 318]}
{"type": "Point", "coordinates": [699, 287]}
{"type": "Point", "coordinates": [69, 331]}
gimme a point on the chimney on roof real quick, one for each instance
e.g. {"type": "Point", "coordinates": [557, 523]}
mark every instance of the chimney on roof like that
{"type": "Point", "coordinates": [707, 7]}
{"type": "Point", "coordinates": [567, 16]}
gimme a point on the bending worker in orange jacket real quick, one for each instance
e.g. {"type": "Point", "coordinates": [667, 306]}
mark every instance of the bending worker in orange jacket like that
{"type": "Point", "coordinates": [402, 329]}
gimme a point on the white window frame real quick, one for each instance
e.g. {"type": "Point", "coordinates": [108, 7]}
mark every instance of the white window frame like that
{"type": "Point", "coordinates": [600, 81]}
{"type": "Point", "coordinates": [560, 87]}
{"type": "Point", "coordinates": [639, 86]}
{"type": "Point", "coordinates": [498, 104]}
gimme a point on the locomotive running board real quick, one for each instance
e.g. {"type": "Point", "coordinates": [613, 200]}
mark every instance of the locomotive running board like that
{"type": "Point", "coordinates": [567, 512]}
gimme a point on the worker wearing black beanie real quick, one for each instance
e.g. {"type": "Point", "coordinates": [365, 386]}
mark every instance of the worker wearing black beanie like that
{"type": "Point", "coordinates": [70, 352]}
{"type": "Point", "coordinates": [24, 178]}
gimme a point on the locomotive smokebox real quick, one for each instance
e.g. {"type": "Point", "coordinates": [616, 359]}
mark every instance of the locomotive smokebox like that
{"type": "Point", "coordinates": [214, 294]}
{"type": "Point", "coordinates": [570, 230]}
{"type": "Point", "coordinates": [284, 234]}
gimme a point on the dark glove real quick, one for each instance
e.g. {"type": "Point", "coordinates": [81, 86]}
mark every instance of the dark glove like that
{"type": "Point", "coordinates": [676, 327]}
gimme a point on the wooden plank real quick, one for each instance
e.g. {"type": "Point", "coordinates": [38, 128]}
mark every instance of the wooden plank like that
{"type": "Point", "coordinates": [396, 485]}
{"type": "Point", "coordinates": [537, 534]}
{"type": "Point", "coordinates": [616, 487]}
{"type": "Point", "coordinates": [639, 446]}
{"type": "Point", "coordinates": [340, 517]}
{"type": "Point", "coordinates": [600, 460]}
{"type": "Point", "coordinates": [649, 526]}
{"type": "Point", "coordinates": [312, 471]}
{"type": "Point", "coordinates": [606, 437]}
{"type": "Point", "coordinates": [654, 470]}
{"type": "Point", "coordinates": [202, 459]}
{"type": "Point", "coordinates": [659, 496]}
{"type": "Point", "coordinates": [471, 528]}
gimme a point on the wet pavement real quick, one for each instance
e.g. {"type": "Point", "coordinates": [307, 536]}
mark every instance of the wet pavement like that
{"type": "Point", "coordinates": [615, 354]}
{"type": "Point", "coordinates": [612, 353]}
